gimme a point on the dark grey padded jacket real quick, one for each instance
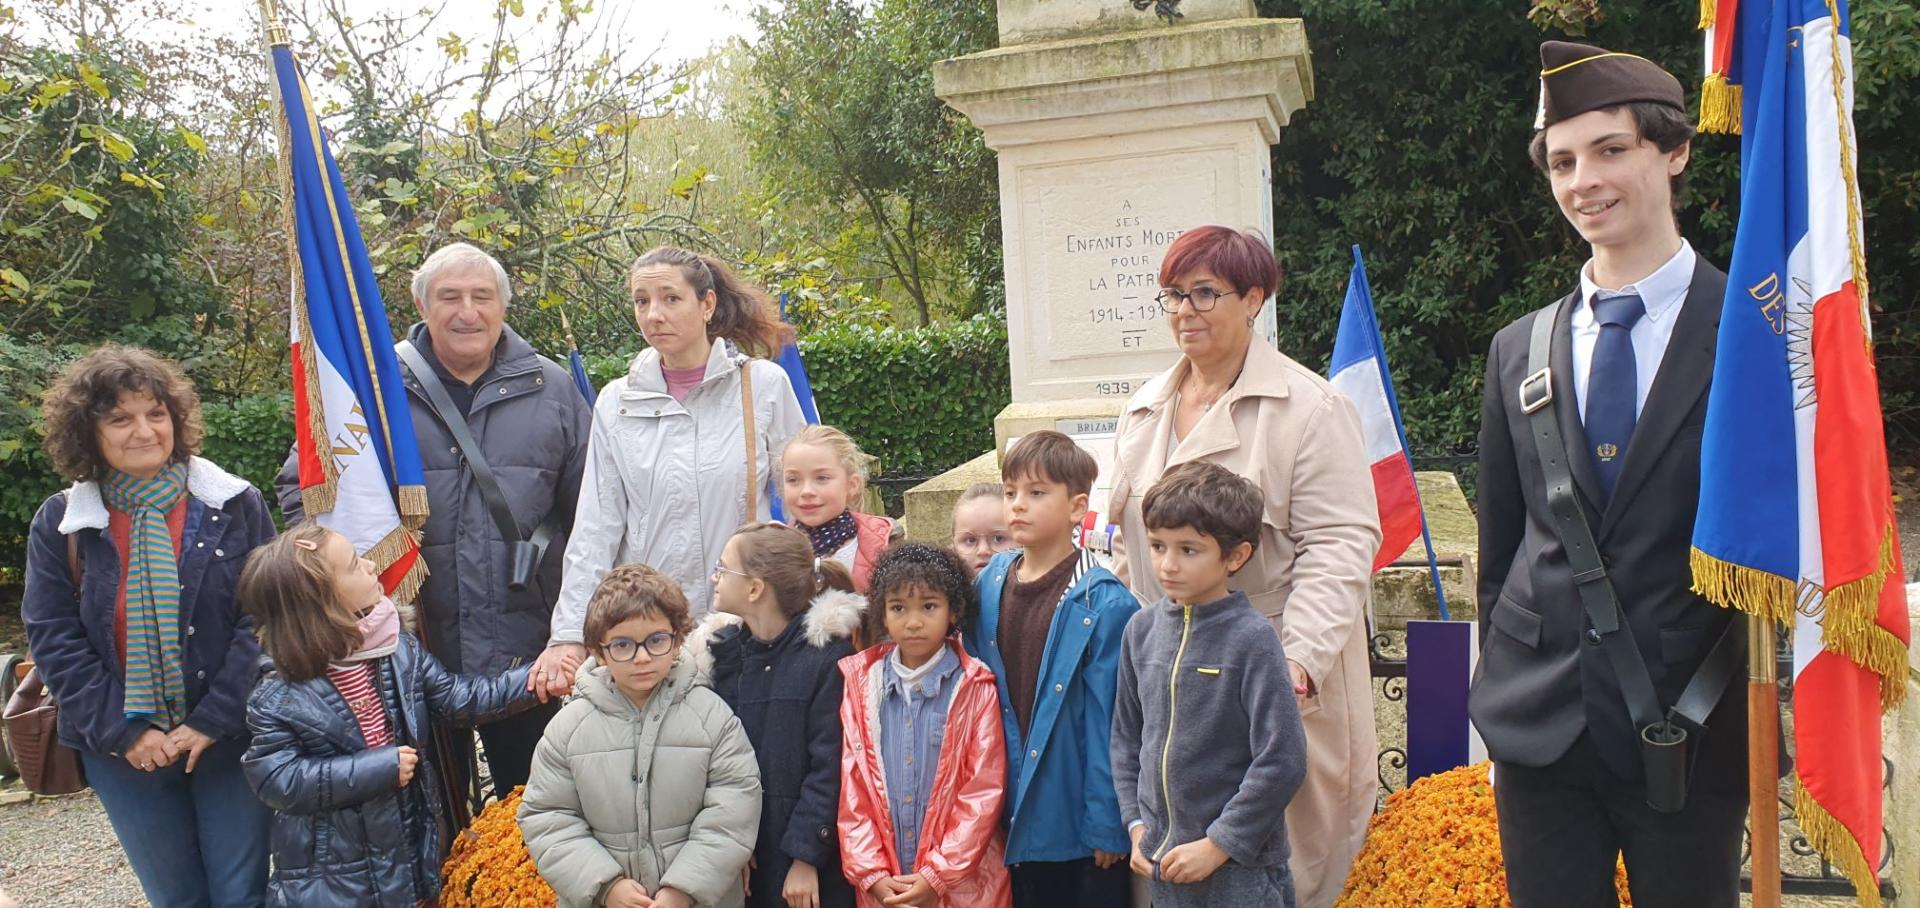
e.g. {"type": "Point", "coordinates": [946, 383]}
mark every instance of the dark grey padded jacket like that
{"type": "Point", "coordinates": [1204, 693]}
{"type": "Point", "coordinates": [529, 418]}
{"type": "Point", "coordinates": [344, 832]}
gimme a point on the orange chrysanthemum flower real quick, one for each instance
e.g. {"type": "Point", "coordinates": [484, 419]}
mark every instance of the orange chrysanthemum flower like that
{"type": "Point", "coordinates": [1437, 845]}
{"type": "Point", "coordinates": [489, 864]}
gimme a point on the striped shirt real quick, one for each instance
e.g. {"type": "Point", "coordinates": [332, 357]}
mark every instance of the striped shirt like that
{"type": "Point", "coordinates": [356, 684]}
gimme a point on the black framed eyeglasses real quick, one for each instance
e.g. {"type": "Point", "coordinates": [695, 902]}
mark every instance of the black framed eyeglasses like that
{"type": "Point", "coordinates": [1203, 298]}
{"type": "Point", "coordinates": [620, 649]}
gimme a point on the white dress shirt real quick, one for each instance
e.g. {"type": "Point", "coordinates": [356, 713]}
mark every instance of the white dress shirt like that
{"type": "Point", "coordinates": [1662, 292]}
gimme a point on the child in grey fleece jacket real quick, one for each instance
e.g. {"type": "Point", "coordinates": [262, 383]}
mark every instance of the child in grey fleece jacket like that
{"type": "Point", "coordinates": [1207, 745]}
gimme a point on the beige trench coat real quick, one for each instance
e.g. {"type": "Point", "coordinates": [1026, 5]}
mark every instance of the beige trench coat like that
{"type": "Point", "coordinates": [1287, 430]}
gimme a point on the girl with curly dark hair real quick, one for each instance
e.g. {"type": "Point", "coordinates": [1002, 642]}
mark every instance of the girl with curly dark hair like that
{"type": "Point", "coordinates": [925, 773]}
{"type": "Point", "coordinates": [131, 619]}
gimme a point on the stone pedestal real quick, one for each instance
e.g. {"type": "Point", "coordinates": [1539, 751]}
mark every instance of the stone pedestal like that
{"type": "Point", "coordinates": [1110, 146]}
{"type": "Point", "coordinates": [1402, 594]}
{"type": "Point", "coordinates": [1115, 133]}
{"type": "Point", "coordinates": [930, 504]}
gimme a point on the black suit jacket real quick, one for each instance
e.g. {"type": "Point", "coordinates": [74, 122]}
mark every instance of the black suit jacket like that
{"type": "Point", "coordinates": [1541, 680]}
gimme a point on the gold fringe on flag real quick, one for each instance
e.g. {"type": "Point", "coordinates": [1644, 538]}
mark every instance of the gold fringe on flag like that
{"type": "Point", "coordinates": [1706, 15]}
{"type": "Point", "coordinates": [318, 499]}
{"type": "Point", "coordinates": [1849, 613]}
{"type": "Point", "coordinates": [388, 550]}
{"type": "Point", "coordinates": [1719, 105]}
{"type": "Point", "coordinates": [413, 506]}
{"type": "Point", "coordinates": [1750, 590]}
{"type": "Point", "coordinates": [1850, 627]}
{"type": "Point", "coordinates": [1836, 845]}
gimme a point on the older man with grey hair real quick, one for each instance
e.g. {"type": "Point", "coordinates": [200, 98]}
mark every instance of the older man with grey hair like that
{"type": "Point", "coordinates": [530, 424]}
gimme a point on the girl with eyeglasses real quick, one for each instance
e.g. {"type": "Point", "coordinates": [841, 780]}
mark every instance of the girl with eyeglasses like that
{"type": "Point", "coordinates": [338, 728]}
{"type": "Point", "coordinates": [644, 790]}
{"type": "Point", "coordinates": [782, 618]}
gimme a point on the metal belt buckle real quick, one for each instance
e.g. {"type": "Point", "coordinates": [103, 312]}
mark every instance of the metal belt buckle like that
{"type": "Point", "coordinates": [1539, 383]}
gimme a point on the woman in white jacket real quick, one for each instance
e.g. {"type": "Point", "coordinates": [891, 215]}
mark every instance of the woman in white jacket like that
{"type": "Point", "coordinates": [666, 481]}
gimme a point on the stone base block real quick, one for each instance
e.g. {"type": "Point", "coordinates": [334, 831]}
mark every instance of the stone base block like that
{"type": "Point", "coordinates": [929, 516]}
{"type": "Point", "coordinates": [1406, 594]}
{"type": "Point", "coordinates": [1086, 416]}
{"type": "Point", "coordinates": [1401, 594]}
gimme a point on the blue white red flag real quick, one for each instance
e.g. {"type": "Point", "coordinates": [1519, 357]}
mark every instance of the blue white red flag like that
{"type": "Point", "coordinates": [1796, 509]}
{"type": "Point", "coordinates": [789, 359]}
{"type": "Point", "coordinates": [796, 369]}
{"type": "Point", "coordinates": [578, 368]}
{"type": "Point", "coordinates": [360, 471]}
{"type": "Point", "coordinates": [1359, 371]}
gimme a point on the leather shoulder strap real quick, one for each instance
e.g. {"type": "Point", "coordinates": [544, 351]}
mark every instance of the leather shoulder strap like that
{"type": "Point", "coordinates": [747, 433]}
{"type": "Point", "coordinates": [1597, 597]}
{"type": "Point", "coordinates": [74, 565]}
{"type": "Point", "coordinates": [456, 422]}
{"type": "Point", "coordinates": [1576, 536]}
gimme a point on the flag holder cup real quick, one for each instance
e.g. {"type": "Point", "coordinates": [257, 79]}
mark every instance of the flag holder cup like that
{"type": "Point", "coordinates": [1663, 752]}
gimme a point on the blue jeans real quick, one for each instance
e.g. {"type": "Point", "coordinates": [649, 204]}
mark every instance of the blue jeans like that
{"type": "Point", "coordinates": [195, 841]}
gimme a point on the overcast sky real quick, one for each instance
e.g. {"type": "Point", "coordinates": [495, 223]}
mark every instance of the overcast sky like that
{"type": "Point", "coordinates": [671, 31]}
{"type": "Point", "coordinates": [681, 28]}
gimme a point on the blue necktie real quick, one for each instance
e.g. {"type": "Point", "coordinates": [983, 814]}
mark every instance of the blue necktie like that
{"type": "Point", "coordinates": [1612, 385]}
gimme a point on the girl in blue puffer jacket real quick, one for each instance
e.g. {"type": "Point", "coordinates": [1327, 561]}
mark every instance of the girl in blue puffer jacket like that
{"type": "Point", "coordinates": [339, 726]}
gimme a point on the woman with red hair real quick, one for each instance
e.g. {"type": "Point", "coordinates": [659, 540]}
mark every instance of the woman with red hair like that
{"type": "Point", "coordinates": [1234, 400]}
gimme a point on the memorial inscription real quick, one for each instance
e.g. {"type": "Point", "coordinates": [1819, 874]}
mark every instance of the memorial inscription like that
{"type": "Point", "coordinates": [1103, 234]}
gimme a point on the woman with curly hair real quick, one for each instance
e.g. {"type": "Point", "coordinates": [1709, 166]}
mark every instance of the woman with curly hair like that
{"type": "Point", "coordinates": [130, 615]}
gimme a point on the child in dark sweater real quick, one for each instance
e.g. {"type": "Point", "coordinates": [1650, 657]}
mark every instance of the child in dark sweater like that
{"type": "Point", "coordinates": [1207, 743]}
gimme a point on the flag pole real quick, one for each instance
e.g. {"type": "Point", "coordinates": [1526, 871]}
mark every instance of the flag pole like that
{"type": "Point", "coordinates": [276, 34]}
{"type": "Point", "coordinates": [276, 30]}
{"type": "Point", "coordinates": [1763, 762]}
{"type": "Point", "coordinates": [566, 327]}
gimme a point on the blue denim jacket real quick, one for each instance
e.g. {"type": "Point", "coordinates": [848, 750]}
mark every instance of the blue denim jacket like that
{"type": "Point", "coordinates": [1061, 800]}
{"type": "Point", "coordinates": [913, 725]}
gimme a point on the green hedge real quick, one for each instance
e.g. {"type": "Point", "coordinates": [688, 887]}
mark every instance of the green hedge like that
{"type": "Point", "coordinates": [921, 400]}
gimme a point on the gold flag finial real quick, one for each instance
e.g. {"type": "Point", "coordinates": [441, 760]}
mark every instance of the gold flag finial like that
{"type": "Point", "coordinates": [276, 29]}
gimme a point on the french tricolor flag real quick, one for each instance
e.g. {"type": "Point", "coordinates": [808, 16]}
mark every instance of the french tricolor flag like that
{"type": "Point", "coordinates": [1359, 371]}
{"type": "Point", "coordinates": [360, 469]}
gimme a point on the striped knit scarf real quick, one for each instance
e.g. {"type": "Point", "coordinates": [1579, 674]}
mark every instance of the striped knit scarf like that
{"type": "Point", "coordinates": [155, 686]}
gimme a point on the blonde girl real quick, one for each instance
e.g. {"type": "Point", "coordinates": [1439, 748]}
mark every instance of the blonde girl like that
{"type": "Point", "coordinates": [823, 475]}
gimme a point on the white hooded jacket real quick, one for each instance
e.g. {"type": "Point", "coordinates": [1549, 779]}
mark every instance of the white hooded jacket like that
{"type": "Point", "coordinates": [665, 482]}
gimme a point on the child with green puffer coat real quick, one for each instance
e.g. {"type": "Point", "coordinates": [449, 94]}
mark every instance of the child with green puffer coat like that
{"type": "Point", "coordinates": [644, 789]}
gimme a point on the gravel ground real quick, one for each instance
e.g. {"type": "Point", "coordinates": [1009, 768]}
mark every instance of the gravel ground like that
{"type": "Point", "coordinates": [61, 852]}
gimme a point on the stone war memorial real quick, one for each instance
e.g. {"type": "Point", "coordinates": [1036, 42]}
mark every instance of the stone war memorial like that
{"type": "Point", "coordinates": [1115, 131]}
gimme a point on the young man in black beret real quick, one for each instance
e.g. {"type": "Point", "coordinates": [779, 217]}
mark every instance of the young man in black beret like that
{"type": "Point", "coordinates": [1590, 631]}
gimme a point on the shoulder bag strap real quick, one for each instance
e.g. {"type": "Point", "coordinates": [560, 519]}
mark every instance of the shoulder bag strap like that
{"type": "Point", "coordinates": [1576, 537]}
{"type": "Point", "coordinates": [753, 461]}
{"type": "Point", "coordinates": [1597, 596]}
{"type": "Point", "coordinates": [74, 569]}
{"type": "Point", "coordinates": [456, 423]}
